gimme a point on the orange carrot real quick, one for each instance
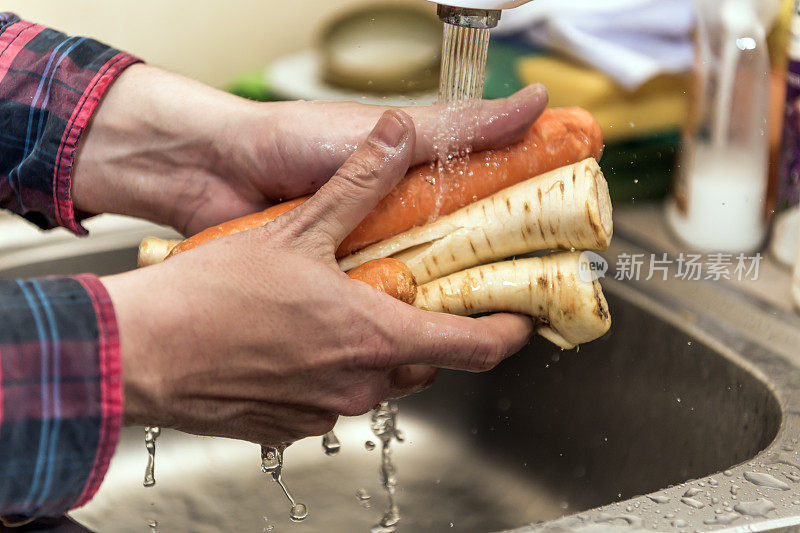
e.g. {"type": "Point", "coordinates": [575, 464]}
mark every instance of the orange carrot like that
{"type": "Point", "coordinates": [390, 276]}
{"type": "Point", "coordinates": [558, 138]}
{"type": "Point", "coordinates": [237, 225]}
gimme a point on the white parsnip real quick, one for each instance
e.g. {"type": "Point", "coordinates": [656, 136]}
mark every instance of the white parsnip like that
{"type": "Point", "coordinates": [153, 250]}
{"type": "Point", "coordinates": [557, 290]}
{"type": "Point", "coordinates": [568, 208]}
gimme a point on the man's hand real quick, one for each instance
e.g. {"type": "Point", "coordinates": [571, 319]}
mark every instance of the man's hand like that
{"type": "Point", "coordinates": [260, 336]}
{"type": "Point", "coordinates": [171, 150]}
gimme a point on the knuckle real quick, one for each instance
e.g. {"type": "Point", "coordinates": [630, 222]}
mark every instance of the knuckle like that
{"type": "Point", "coordinates": [358, 402]}
{"type": "Point", "coordinates": [322, 424]}
{"type": "Point", "coordinates": [359, 170]}
{"type": "Point", "coordinates": [382, 351]}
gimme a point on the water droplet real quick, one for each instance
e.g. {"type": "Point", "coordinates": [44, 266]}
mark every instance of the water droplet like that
{"type": "Point", "coordinates": [793, 476]}
{"type": "Point", "coordinates": [765, 480]}
{"type": "Point", "coordinates": [369, 445]}
{"type": "Point", "coordinates": [679, 523]}
{"type": "Point", "coordinates": [722, 519]}
{"type": "Point", "coordinates": [728, 473]}
{"type": "Point", "coordinates": [362, 495]}
{"type": "Point", "coordinates": [660, 498]}
{"type": "Point", "coordinates": [330, 444]}
{"type": "Point", "coordinates": [693, 491]}
{"type": "Point", "coordinates": [299, 512]}
{"type": "Point", "coordinates": [692, 502]}
{"type": "Point", "coordinates": [759, 507]}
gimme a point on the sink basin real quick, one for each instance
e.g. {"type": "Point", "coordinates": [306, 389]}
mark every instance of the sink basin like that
{"type": "Point", "coordinates": [693, 391]}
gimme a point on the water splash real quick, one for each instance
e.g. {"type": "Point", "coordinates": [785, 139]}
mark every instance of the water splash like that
{"type": "Point", "coordinates": [272, 463]}
{"type": "Point", "coordinates": [330, 444]}
{"type": "Point", "coordinates": [151, 433]}
{"type": "Point", "coordinates": [363, 497]}
{"type": "Point", "coordinates": [383, 424]}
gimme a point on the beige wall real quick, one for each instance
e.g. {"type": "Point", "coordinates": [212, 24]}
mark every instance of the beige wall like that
{"type": "Point", "coordinates": [211, 40]}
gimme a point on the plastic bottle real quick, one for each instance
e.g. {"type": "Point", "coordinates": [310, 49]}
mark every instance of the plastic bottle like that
{"type": "Point", "coordinates": [719, 200]}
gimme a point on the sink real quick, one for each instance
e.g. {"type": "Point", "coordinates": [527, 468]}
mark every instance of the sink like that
{"type": "Point", "coordinates": [683, 416]}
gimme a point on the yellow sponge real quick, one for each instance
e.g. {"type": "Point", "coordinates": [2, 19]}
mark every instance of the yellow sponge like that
{"type": "Point", "coordinates": [657, 106]}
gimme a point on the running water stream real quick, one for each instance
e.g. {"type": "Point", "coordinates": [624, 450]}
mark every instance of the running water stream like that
{"type": "Point", "coordinates": [150, 436]}
{"type": "Point", "coordinates": [272, 463]}
{"type": "Point", "coordinates": [464, 52]}
{"type": "Point", "coordinates": [383, 424]}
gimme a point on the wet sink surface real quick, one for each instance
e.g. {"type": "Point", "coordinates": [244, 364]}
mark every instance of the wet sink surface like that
{"type": "Point", "coordinates": [546, 434]}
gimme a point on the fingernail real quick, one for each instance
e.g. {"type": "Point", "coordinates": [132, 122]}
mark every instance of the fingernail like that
{"type": "Point", "coordinates": [390, 131]}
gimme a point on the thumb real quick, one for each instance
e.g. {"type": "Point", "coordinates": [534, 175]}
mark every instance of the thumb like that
{"type": "Point", "coordinates": [364, 179]}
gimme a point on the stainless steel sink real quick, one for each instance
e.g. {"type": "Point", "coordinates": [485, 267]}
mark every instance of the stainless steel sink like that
{"type": "Point", "coordinates": [684, 417]}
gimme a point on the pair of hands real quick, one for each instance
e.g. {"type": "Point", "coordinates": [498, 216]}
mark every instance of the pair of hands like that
{"type": "Point", "coordinates": [259, 335]}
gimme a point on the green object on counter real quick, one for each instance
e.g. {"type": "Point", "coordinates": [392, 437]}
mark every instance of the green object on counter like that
{"type": "Point", "coordinates": [501, 70]}
{"type": "Point", "coordinates": [253, 86]}
{"type": "Point", "coordinates": [640, 170]}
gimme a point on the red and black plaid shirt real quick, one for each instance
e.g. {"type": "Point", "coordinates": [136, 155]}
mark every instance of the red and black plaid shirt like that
{"type": "Point", "coordinates": [60, 388]}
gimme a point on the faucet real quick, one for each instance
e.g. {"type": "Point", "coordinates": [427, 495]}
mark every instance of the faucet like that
{"type": "Point", "coordinates": [479, 14]}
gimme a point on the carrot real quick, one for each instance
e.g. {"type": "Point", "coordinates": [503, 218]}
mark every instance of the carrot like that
{"type": "Point", "coordinates": [237, 225]}
{"type": "Point", "coordinates": [558, 138]}
{"type": "Point", "coordinates": [390, 276]}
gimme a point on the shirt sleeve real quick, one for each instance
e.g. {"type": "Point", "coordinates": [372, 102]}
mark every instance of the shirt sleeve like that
{"type": "Point", "coordinates": [60, 393]}
{"type": "Point", "coordinates": [50, 84]}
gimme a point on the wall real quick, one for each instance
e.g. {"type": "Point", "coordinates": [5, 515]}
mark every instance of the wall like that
{"type": "Point", "coordinates": [210, 40]}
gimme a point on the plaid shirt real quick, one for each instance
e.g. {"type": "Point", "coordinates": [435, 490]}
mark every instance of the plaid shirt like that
{"type": "Point", "coordinates": [60, 387]}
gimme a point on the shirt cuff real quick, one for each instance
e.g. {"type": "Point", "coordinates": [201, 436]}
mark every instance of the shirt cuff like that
{"type": "Point", "coordinates": [110, 383]}
{"type": "Point", "coordinates": [85, 107]}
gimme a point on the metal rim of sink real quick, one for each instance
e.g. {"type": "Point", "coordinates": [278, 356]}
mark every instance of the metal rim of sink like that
{"type": "Point", "coordinates": [763, 340]}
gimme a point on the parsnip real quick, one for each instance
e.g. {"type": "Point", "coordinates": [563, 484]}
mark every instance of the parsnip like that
{"type": "Point", "coordinates": [153, 250]}
{"type": "Point", "coordinates": [568, 208]}
{"type": "Point", "coordinates": [570, 308]}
